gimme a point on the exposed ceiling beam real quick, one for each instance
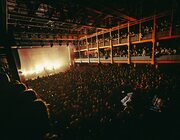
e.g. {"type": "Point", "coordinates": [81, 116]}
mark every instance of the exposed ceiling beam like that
{"type": "Point", "coordinates": [100, 8]}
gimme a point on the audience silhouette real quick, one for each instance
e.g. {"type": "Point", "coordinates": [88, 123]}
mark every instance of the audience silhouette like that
{"type": "Point", "coordinates": [24, 115]}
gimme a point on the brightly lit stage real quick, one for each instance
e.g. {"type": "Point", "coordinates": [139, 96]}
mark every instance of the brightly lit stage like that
{"type": "Point", "coordinates": [38, 62]}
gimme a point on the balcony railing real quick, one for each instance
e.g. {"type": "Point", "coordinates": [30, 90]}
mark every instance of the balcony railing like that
{"type": "Point", "coordinates": [120, 38]}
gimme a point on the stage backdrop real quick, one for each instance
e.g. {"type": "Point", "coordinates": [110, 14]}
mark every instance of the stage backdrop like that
{"type": "Point", "coordinates": [43, 61]}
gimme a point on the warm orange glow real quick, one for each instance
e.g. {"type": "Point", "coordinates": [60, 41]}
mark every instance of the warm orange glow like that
{"type": "Point", "coordinates": [43, 61]}
{"type": "Point", "coordinates": [42, 68]}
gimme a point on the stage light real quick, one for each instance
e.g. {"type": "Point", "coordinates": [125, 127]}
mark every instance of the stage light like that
{"type": "Point", "coordinates": [24, 72]}
{"type": "Point", "coordinates": [42, 68]}
{"type": "Point", "coordinates": [43, 61]}
{"type": "Point", "coordinates": [38, 68]}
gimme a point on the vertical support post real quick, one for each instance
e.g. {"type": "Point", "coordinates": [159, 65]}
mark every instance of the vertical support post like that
{"type": "Point", "coordinates": [73, 51]}
{"type": "Point", "coordinates": [97, 46]}
{"type": "Point", "coordinates": [128, 44]}
{"type": "Point", "coordinates": [153, 40]}
{"type": "Point", "coordinates": [139, 31]}
{"type": "Point", "coordinates": [91, 42]}
{"type": "Point", "coordinates": [79, 51]}
{"type": "Point", "coordinates": [111, 47]}
{"type": "Point", "coordinates": [171, 24]}
{"type": "Point", "coordinates": [118, 35]}
{"type": "Point", "coordinates": [103, 39]}
{"type": "Point", "coordinates": [70, 58]}
{"type": "Point", "coordinates": [6, 39]}
{"type": "Point", "coordinates": [87, 46]}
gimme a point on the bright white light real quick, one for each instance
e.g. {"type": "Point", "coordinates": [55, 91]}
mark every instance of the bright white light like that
{"type": "Point", "coordinates": [43, 61]}
{"type": "Point", "coordinates": [38, 68]}
{"type": "Point", "coordinates": [41, 68]}
{"type": "Point", "coordinates": [24, 72]}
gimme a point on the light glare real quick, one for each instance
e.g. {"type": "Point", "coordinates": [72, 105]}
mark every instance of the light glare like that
{"type": "Point", "coordinates": [37, 62]}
